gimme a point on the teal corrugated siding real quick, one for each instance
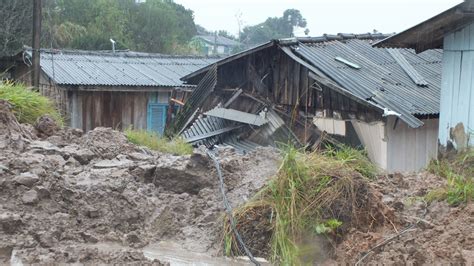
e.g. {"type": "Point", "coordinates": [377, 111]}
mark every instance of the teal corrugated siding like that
{"type": "Point", "coordinates": [457, 89]}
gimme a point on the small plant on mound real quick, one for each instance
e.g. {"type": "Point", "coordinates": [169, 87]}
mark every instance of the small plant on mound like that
{"type": "Point", "coordinates": [459, 172]}
{"type": "Point", "coordinates": [28, 105]}
{"type": "Point", "coordinates": [152, 140]}
{"type": "Point", "coordinates": [313, 194]}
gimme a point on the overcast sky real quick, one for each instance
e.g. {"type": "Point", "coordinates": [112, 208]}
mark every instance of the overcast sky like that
{"type": "Point", "coordinates": [323, 16]}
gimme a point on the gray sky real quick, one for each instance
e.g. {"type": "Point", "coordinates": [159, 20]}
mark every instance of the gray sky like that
{"type": "Point", "coordinates": [323, 16]}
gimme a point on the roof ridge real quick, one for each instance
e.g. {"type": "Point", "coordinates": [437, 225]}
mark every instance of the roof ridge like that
{"type": "Point", "coordinates": [331, 37]}
{"type": "Point", "coordinates": [117, 53]}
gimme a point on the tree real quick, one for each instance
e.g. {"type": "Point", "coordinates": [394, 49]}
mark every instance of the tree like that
{"type": "Point", "coordinates": [16, 25]}
{"type": "Point", "coordinates": [153, 26]}
{"type": "Point", "coordinates": [273, 28]}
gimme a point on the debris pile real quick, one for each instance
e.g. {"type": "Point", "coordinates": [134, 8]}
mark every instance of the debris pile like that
{"type": "Point", "coordinates": [69, 197]}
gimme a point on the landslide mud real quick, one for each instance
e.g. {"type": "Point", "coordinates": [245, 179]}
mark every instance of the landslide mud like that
{"type": "Point", "coordinates": [62, 192]}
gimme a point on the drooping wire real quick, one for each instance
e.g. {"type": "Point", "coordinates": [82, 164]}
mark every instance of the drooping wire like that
{"type": "Point", "coordinates": [228, 209]}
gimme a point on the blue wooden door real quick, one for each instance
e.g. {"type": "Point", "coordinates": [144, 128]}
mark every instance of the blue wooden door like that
{"type": "Point", "coordinates": [156, 117]}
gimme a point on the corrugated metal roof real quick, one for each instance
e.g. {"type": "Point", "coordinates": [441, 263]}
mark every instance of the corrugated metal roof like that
{"type": "Point", "coordinates": [119, 69]}
{"type": "Point", "coordinates": [380, 79]}
{"type": "Point", "coordinates": [219, 40]}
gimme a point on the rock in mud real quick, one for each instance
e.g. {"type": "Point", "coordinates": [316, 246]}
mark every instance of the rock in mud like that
{"type": "Point", "coordinates": [181, 174]}
{"type": "Point", "coordinates": [27, 179]}
{"type": "Point", "coordinates": [46, 126]}
{"type": "Point", "coordinates": [82, 155]}
{"type": "Point", "coordinates": [30, 197]}
{"type": "Point", "coordinates": [10, 222]}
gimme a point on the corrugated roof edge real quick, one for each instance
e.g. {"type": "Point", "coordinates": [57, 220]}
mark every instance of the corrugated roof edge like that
{"type": "Point", "coordinates": [291, 41]}
{"type": "Point", "coordinates": [118, 53]}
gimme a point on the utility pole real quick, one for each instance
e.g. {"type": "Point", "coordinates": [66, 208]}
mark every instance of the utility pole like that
{"type": "Point", "coordinates": [35, 75]}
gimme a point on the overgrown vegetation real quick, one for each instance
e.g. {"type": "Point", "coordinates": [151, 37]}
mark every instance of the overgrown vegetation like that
{"type": "Point", "coordinates": [313, 195]}
{"type": "Point", "coordinates": [459, 173]}
{"type": "Point", "coordinates": [27, 104]}
{"type": "Point", "coordinates": [154, 141]}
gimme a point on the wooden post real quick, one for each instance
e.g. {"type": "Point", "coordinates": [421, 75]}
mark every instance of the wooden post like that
{"type": "Point", "coordinates": [35, 75]}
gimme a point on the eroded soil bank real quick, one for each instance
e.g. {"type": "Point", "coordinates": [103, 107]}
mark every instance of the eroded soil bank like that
{"type": "Point", "coordinates": [69, 197]}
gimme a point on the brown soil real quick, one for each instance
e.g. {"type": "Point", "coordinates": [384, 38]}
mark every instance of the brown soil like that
{"type": "Point", "coordinates": [63, 194]}
{"type": "Point", "coordinates": [437, 234]}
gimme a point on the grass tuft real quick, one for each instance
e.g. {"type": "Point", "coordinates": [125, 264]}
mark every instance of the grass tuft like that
{"type": "Point", "coordinates": [28, 105]}
{"type": "Point", "coordinates": [459, 172]}
{"type": "Point", "coordinates": [313, 194]}
{"type": "Point", "coordinates": [156, 142]}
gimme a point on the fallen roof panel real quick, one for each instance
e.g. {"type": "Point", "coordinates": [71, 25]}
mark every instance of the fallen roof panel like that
{"type": "Point", "coordinates": [238, 116]}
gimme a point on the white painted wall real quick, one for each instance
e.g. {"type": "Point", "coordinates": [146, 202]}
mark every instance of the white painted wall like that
{"type": "Point", "coordinates": [410, 149]}
{"type": "Point", "coordinates": [331, 126]}
{"type": "Point", "coordinates": [372, 136]}
{"type": "Point", "coordinates": [456, 123]}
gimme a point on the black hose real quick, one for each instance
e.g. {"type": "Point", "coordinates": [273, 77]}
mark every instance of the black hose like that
{"type": "Point", "coordinates": [228, 209]}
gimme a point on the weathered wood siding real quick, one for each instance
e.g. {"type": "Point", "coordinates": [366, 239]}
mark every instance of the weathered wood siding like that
{"type": "Point", "coordinates": [274, 75]}
{"type": "Point", "coordinates": [456, 123]}
{"type": "Point", "coordinates": [116, 109]}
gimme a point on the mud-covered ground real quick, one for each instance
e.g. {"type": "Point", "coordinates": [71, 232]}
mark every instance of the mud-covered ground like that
{"type": "Point", "coordinates": [69, 197]}
{"type": "Point", "coordinates": [65, 196]}
{"type": "Point", "coordinates": [426, 233]}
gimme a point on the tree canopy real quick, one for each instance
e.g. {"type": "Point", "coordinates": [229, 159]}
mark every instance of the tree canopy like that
{"type": "Point", "coordinates": [154, 26]}
{"type": "Point", "coordinates": [160, 26]}
{"type": "Point", "coordinates": [273, 28]}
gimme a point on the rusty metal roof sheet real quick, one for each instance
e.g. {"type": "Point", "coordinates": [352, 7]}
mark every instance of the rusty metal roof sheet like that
{"type": "Point", "coordinates": [119, 69]}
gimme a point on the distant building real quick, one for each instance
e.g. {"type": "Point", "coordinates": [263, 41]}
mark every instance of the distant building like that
{"type": "Point", "coordinates": [106, 89]}
{"type": "Point", "coordinates": [453, 31]}
{"type": "Point", "coordinates": [140, 1]}
{"type": "Point", "coordinates": [216, 45]}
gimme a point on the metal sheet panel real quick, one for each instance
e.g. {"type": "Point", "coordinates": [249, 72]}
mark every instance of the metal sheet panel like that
{"type": "Point", "coordinates": [381, 79]}
{"type": "Point", "coordinates": [238, 116]}
{"type": "Point", "coordinates": [120, 69]}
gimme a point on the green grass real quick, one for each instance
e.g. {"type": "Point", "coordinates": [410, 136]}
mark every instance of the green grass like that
{"type": "Point", "coordinates": [312, 194]}
{"type": "Point", "coordinates": [154, 141]}
{"type": "Point", "coordinates": [27, 104]}
{"type": "Point", "coordinates": [459, 173]}
{"type": "Point", "coordinates": [354, 158]}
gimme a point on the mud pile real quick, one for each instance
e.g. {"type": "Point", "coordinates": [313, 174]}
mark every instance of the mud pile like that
{"type": "Point", "coordinates": [67, 197]}
{"type": "Point", "coordinates": [423, 233]}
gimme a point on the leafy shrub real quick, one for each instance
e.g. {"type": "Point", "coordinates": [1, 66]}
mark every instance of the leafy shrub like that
{"type": "Point", "coordinates": [27, 104]}
{"type": "Point", "coordinates": [156, 142]}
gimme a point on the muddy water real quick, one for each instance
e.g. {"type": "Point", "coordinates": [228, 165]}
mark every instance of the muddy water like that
{"type": "Point", "coordinates": [176, 256]}
{"type": "Point", "coordinates": [169, 252]}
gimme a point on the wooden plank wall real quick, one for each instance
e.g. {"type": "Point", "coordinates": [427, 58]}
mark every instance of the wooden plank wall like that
{"type": "Point", "coordinates": [118, 110]}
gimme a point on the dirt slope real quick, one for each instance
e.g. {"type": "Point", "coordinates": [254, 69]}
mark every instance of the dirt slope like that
{"type": "Point", "coordinates": [64, 196]}
{"type": "Point", "coordinates": [440, 234]}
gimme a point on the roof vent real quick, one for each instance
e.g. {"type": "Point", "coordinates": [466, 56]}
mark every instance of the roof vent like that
{"type": "Point", "coordinates": [350, 64]}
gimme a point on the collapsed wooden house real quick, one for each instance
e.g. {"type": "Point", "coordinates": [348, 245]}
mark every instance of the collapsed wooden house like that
{"type": "Point", "coordinates": [109, 89]}
{"type": "Point", "coordinates": [386, 100]}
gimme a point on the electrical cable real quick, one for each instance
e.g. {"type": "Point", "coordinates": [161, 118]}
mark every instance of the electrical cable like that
{"type": "Point", "coordinates": [228, 209]}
